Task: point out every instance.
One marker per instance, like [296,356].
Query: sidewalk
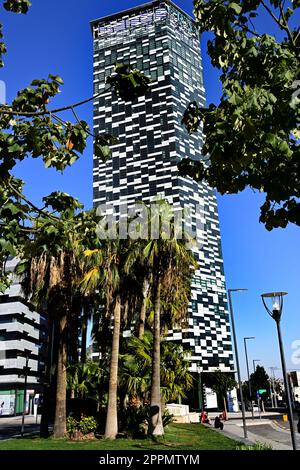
[235,431]
[10,427]
[14,420]
[265,430]
[238,415]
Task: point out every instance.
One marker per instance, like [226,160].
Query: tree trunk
[225,410]
[146,286]
[156,424]
[84,332]
[60,427]
[111,427]
[48,382]
[73,322]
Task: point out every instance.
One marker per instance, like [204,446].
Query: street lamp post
[200,399]
[26,370]
[249,382]
[237,357]
[275,312]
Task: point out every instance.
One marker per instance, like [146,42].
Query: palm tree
[139,276]
[135,370]
[175,376]
[52,267]
[83,378]
[145,293]
[107,270]
[166,256]
[51,280]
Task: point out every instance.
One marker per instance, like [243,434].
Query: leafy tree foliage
[17,6]
[83,379]
[220,383]
[252,137]
[135,370]
[260,381]
[128,86]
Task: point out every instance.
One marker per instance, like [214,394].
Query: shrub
[87,425]
[168,418]
[136,420]
[256,446]
[72,425]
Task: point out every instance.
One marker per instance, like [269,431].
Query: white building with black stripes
[23,334]
[161,40]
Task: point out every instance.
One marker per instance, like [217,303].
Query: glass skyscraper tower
[161,40]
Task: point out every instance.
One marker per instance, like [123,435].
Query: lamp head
[237,290]
[273,302]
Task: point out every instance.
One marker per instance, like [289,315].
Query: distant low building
[295,382]
[22,333]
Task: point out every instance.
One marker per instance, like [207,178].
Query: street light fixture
[273,303]
[237,357]
[249,382]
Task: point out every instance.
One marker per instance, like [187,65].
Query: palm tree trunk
[146,286]
[111,428]
[225,410]
[48,382]
[73,322]
[84,332]
[60,428]
[156,424]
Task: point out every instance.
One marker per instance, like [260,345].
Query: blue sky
[55,38]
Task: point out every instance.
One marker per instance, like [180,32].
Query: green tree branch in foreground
[29,129]
[252,136]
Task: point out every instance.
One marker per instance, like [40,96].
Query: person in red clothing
[204,419]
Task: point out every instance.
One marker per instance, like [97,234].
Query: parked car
[281,404]
[249,407]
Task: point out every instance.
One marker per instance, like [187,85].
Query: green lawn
[178,436]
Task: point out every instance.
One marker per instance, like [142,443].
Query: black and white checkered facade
[162,41]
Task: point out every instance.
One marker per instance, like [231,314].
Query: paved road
[285,424]
[274,433]
[270,429]
[11,427]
